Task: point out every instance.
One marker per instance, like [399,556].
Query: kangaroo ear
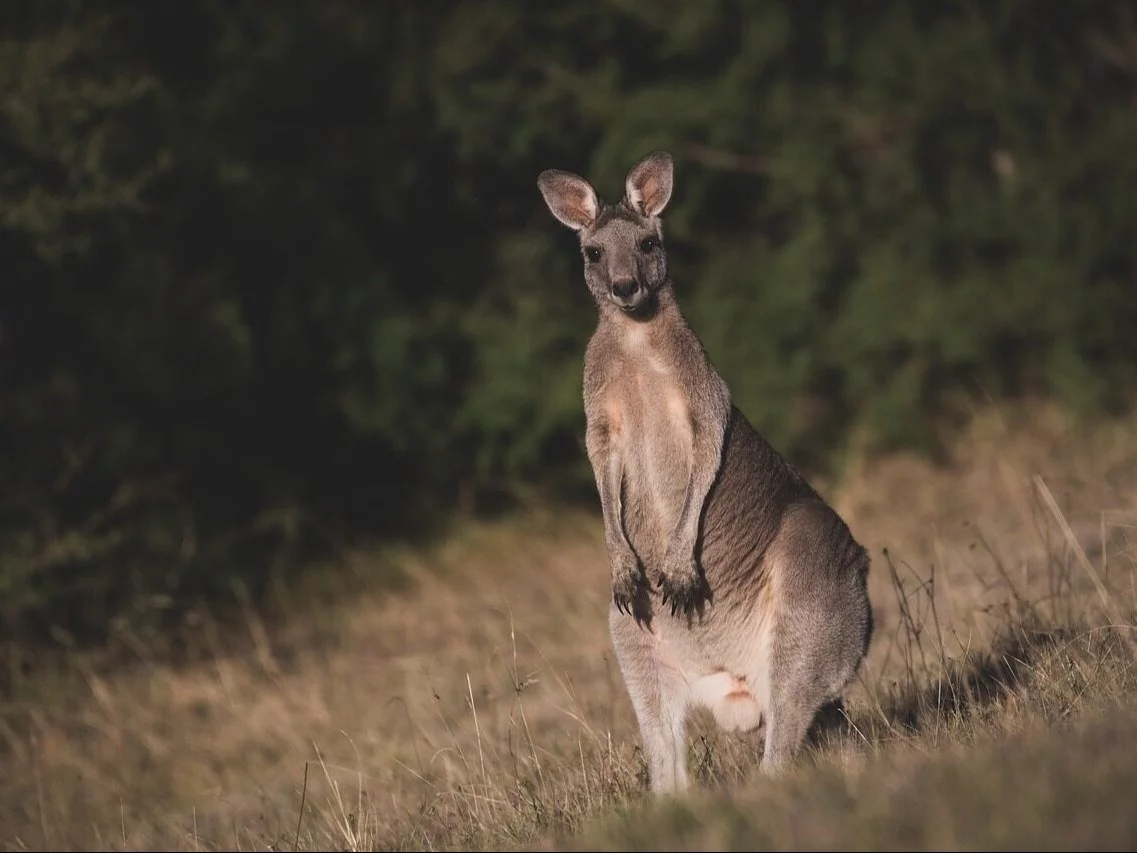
[570,198]
[648,187]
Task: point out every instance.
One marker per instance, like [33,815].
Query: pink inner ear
[577,205]
[649,194]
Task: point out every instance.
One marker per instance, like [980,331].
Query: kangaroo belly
[726,674]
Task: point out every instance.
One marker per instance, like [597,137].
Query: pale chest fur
[647,411]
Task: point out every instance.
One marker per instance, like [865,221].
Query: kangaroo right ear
[570,198]
[648,185]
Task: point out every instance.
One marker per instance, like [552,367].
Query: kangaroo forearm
[708,435]
[609,478]
[694,500]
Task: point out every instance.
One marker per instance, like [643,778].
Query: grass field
[479,707]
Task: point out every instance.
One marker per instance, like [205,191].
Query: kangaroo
[735,586]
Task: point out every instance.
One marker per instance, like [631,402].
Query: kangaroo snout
[627,292]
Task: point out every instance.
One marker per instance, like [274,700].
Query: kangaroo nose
[625,288]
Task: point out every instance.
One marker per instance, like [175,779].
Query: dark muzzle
[627,293]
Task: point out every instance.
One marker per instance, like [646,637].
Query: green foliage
[278,276]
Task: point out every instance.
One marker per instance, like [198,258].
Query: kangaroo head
[622,244]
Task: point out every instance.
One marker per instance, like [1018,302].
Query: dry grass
[481,709]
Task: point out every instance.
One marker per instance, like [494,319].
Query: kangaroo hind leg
[822,628]
[660,699]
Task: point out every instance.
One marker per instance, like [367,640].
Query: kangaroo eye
[592,253]
[648,244]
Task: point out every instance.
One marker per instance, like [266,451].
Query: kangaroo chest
[648,410]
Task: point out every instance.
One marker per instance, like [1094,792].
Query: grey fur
[762,611]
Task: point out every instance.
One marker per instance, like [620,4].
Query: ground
[479,706]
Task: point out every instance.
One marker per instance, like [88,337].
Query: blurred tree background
[278,275]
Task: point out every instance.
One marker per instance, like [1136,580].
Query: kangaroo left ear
[648,185]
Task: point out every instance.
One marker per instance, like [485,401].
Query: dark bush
[277,276]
